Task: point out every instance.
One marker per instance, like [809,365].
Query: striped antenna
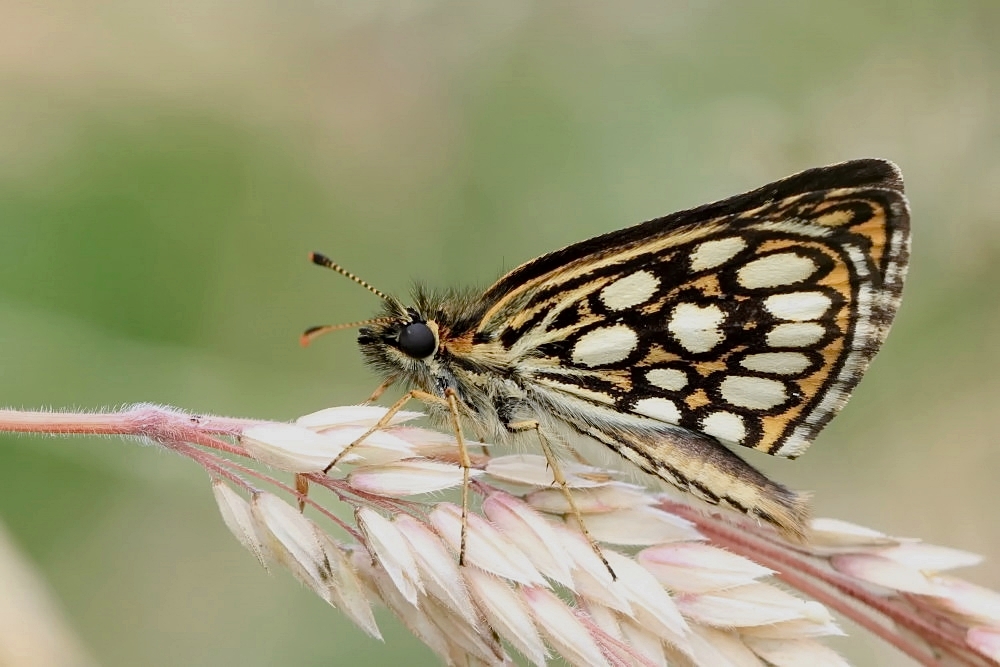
[323,260]
[312,333]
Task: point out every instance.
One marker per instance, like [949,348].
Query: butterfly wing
[749,320]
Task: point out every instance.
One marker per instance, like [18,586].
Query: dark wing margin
[864,173]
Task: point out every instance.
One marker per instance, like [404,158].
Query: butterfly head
[403,337]
[411,345]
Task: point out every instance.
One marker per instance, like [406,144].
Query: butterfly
[742,323]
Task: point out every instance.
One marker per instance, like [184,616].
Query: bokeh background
[166,166]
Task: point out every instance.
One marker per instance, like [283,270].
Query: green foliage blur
[166,166]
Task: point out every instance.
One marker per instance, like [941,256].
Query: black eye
[417,340]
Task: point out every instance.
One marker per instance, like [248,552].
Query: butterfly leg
[302,484]
[560,480]
[384,421]
[463,454]
[379,390]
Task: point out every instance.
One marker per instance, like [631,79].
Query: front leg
[302,484]
[387,417]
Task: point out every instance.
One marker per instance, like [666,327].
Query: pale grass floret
[315,559]
[438,567]
[696,567]
[531,533]
[411,477]
[291,448]
[564,629]
[238,517]
[690,587]
[391,551]
[508,613]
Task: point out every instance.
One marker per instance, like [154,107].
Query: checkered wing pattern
[749,321]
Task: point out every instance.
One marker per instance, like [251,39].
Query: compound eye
[417,340]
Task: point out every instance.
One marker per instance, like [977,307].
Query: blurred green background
[166,166]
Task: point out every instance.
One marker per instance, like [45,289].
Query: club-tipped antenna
[312,333]
[323,260]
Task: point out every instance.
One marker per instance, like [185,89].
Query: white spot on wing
[783,268]
[695,327]
[670,379]
[797,334]
[725,426]
[659,408]
[779,363]
[752,392]
[798,306]
[606,345]
[711,254]
[631,290]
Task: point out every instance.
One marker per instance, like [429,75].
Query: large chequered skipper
[744,322]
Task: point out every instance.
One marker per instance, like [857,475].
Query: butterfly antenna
[323,260]
[312,333]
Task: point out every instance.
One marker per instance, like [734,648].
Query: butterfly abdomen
[699,466]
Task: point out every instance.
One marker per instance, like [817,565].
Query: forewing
[749,320]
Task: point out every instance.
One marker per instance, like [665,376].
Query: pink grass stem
[155,422]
